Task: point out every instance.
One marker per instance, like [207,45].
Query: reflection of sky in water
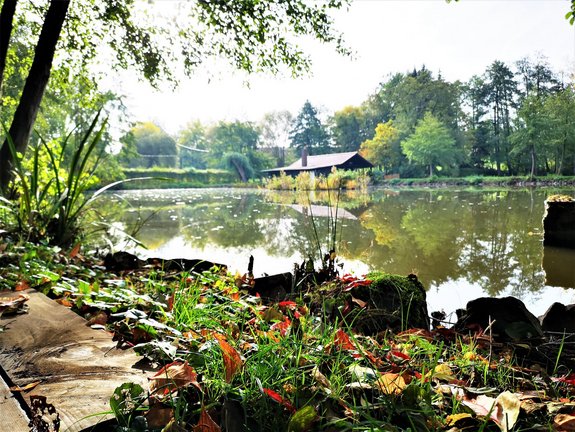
[462,244]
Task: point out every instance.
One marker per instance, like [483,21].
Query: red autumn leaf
[397,356]
[567,379]
[232,359]
[282,326]
[206,423]
[342,340]
[279,399]
[288,304]
[174,376]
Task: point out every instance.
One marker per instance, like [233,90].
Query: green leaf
[303,419]
[126,401]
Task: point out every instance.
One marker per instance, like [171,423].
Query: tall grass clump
[51,187]
[281,182]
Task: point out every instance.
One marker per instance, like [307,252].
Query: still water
[462,244]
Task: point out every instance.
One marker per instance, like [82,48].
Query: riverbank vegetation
[229,360]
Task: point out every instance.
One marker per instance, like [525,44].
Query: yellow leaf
[391,383]
[453,419]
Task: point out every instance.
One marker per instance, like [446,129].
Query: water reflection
[461,243]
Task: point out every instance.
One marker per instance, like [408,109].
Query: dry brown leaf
[232,359]
[206,423]
[159,416]
[22,286]
[174,376]
[75,251]
[320,378]
[12,304]
[564,422]
[65,301]
[507,410]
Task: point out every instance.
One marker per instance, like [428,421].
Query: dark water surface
[462,244]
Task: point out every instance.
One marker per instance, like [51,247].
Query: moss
[395,302]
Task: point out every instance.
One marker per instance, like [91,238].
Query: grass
[291,365]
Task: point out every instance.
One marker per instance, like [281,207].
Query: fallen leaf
[206,423]
[481,405]
[320,378]
[279,399]
[507,410]
[564,422]
[443,372]
[13,304]
[303,419]
[159,416]
[391,383]
[232,359]
[27,387]
[75,251]
[342,340]
[174,376]
[457,419]
[22,286]
[65,301]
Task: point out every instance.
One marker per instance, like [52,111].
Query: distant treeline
[511,120]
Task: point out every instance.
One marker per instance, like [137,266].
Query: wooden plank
[11,413]
[78,367]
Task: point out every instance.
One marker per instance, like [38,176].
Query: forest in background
[510,120]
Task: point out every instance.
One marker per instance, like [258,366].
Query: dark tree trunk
[25,115]
[6,19]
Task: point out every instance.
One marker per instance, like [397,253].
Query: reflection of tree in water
[444,235]
[500,253]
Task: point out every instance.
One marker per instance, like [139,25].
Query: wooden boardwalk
[78,368]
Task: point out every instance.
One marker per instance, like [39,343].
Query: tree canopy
[251,35]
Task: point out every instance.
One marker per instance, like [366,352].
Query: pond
[462,244]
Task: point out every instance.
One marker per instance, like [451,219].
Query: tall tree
[193,145]
[501,97]
[33,91]
[154,147]
[6,17]
[275,127]
[477,126]
[348,129]
[384,148]
[308,131]
[431,144]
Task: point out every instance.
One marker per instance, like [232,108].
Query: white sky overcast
[459,39]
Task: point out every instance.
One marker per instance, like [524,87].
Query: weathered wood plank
[11,412]
[78,367]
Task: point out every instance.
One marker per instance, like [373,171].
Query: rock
[510,320]
[559,221]
[120,261]
[393,302]
[559,318]
[274,287]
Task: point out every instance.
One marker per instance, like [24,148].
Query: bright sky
[459,39]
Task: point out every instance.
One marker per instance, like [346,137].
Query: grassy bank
[227,360]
